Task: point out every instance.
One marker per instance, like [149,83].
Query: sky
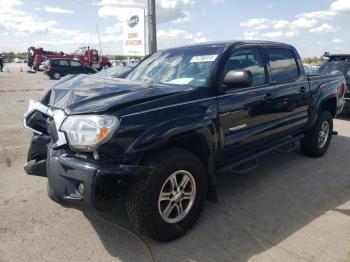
[312,26]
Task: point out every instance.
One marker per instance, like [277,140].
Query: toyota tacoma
[181,117]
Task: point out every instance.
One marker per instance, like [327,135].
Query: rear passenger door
[246,114]
[291,90]
[77,67]
[64,67]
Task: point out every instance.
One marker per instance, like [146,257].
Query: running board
[250,163]
[287,148]
[246,167]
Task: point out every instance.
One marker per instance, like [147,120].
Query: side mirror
[238,79]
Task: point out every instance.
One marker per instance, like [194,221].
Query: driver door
[246,114]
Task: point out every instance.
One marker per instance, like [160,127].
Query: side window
[249,59]
[75,63]
[283,64]
[63,63]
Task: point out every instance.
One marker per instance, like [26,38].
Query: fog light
[81,188]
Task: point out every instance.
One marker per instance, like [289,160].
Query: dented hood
[87,94]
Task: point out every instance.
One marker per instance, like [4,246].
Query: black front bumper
[65,172]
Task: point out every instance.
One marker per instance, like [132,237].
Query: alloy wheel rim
[323,134]
[177,196]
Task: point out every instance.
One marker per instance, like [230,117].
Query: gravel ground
[293,208]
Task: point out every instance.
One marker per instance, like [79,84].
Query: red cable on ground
[134,235]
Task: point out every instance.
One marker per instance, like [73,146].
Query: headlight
[87,132]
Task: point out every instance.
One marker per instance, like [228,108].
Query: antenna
[99,40]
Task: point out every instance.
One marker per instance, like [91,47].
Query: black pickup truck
[182,116]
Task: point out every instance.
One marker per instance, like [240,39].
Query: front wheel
[166,203]
[316,141]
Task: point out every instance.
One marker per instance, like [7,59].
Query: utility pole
[152,27]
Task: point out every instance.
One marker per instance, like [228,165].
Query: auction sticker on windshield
[203,58]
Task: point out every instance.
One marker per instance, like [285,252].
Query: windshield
[190,66]
[335,67]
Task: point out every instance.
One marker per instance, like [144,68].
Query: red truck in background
[86,55]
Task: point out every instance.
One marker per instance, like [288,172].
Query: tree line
[12,55]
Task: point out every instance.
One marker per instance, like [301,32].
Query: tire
[56,76]
[106,66]
[312,145]
[145,209]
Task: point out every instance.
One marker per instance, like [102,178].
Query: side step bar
[250,163]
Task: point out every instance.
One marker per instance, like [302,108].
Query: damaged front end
[37,120]
[74,178]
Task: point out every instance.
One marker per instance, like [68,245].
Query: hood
[87,94]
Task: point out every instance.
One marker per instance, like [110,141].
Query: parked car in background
[335,64]
[118,63]
[182,116]
[116,72]
[311,69]
[56,68]
[85,55]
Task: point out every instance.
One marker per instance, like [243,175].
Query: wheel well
[190,142]
[330,105]
[197,145]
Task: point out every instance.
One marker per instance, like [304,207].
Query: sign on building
[134,33]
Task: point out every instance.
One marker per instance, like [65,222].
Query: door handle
[302,89]
[268,97]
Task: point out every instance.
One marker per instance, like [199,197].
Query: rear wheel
[317,140]
[106,66]
[166,203]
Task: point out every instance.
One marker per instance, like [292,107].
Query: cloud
[318,14]
[280,24]
[116,28]
[13,19]
[250,35]
[257,23]
[175,37]
[341,6]
[58,10]
[303,22]
[272,34]
[23,28]
[310,21]
[217,1]
[175,11]
[338,41]
[324,28]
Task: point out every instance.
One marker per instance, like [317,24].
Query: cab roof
[229,43]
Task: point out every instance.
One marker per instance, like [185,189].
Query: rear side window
[63,63]
[75,63]
[283,64]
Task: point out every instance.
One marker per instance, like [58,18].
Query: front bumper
[66,172]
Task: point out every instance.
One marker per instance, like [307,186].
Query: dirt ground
[293,208]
